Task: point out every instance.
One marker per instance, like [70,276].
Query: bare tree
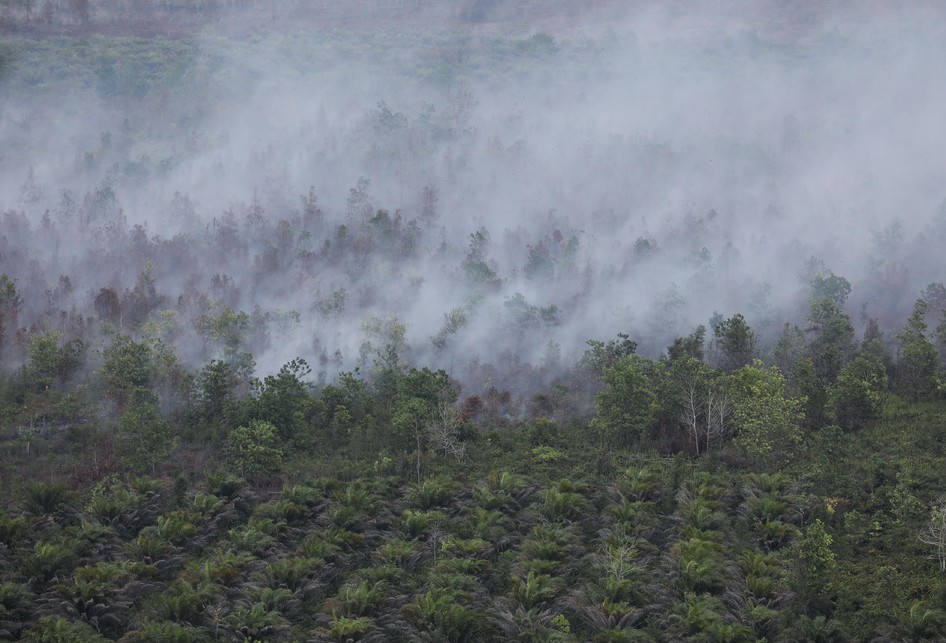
[934,534]
[718,413]
[705,408]
[444,431]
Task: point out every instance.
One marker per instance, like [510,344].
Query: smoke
[485,199]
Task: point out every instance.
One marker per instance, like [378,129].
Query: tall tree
[766,419]
[128,366]
[689,346]
[858,395]
[916,369]
[832,342]
[284,400]
[736,342]
[254,449]
[702,403]
[627,404]
[420,393]
[145,437]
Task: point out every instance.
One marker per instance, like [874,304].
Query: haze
[549,175]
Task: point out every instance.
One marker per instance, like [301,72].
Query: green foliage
[439,612]
[145,437]
[627,404]
[166,632]
[214,392]
[127,366]
[284,401]
[689,346]
[343,628]
[432,492]
[254,449]
[736,342]
[766,419]
[814,561]
[859,393]
[56,629]
[832,342]
[916,370]
[51,361]
[601,356]
[41,498]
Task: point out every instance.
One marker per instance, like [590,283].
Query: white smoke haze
[632,174]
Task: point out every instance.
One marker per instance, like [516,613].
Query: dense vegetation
[706,498]
[460,388]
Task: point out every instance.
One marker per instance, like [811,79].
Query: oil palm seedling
[184,602]
[46,499]
[535,589]
[52,629]
[432,492]
[439,613]
[513,622]
[255,622]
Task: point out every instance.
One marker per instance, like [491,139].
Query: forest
[404,320]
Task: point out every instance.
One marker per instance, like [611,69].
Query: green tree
[214,391]
[627,405]
[284,400]
[832,341]
[689,346]
[344,410]
[765,418]
[144,436]
[736,342]
[916,369]
[814,563]
[700,402]
[858,395]
[602,355]
[10,303]
[49,361]
[127,366]
[420,393]
[254,449]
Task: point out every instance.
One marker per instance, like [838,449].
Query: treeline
[709,390]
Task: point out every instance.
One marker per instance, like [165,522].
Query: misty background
[481,186]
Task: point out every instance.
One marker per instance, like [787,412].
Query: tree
[791,348]
[128,366]
[284,401]
[736,342]
[444,431]
[916,370]
[765,418]
[385,339]
[602,355]
[627,404]
[934,534]
[813,562]
[254,449]
[48,362]
[689,346]
[108,306]
[832,343]
[10,303]
[214,392]
[873,342]
[145,437]
[419,395]
[858,395]
[703,404]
